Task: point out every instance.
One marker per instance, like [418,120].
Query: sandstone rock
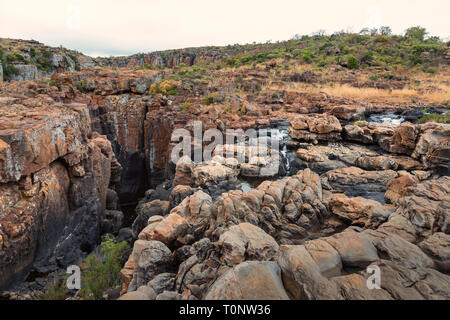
[249,281]
[325,256]
[437,246]
[183,172]
[167,230]
[169,295]
[134,295]
[208,174]
[197,273]
[357,182]
[163,282]
[196,209]
[356,249]
[358,133]
[347,112]
[28,143]
[301,275]
[433,146]
[400,226]
[397,188]
[426,206]
[354,287]
[376,163]
[150,259]
[178,194]
[142,293]
[146,210]
[315,127]
[322,158]
[408,284]
[399,250]
[359,211]
[246,241]
[402,141]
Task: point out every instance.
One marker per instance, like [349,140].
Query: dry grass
[440,94]
[348,91]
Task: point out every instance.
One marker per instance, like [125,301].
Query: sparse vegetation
[212,98]
[440,118]
[56,290]
[103,271]
[166,87]
[185,106]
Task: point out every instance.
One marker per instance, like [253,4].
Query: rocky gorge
[88,153]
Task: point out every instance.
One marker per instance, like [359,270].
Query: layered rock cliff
[54,173]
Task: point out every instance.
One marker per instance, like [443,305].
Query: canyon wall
[54,177]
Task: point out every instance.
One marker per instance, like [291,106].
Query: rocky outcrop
[314,128]
[34,61]
[54,178]
[433,147]
[354,181]
[290,239]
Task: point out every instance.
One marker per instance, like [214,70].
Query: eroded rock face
[358,182]
[433,146]
[55,176]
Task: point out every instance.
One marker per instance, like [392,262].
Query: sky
[112,28]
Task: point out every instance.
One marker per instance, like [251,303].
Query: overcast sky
[107,27]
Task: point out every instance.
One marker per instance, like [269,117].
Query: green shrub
[43,60]
[185,106]
[15,57]
[103,272]
[429,69]
[9,70]
[307,55]
[211,99]
[440,118]
[352,62]
[81,86]
[227,109]
[166,87]
[360,123]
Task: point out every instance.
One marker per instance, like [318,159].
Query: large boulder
[246,241]
[150,258]
[397,188]
[301,275]
[249,281]
[146,210]
[433,147]
[359,211]
[355,249]
[167,230]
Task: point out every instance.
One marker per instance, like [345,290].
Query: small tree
[386,31]
[416,33]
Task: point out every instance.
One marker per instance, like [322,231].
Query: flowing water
[387,118]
